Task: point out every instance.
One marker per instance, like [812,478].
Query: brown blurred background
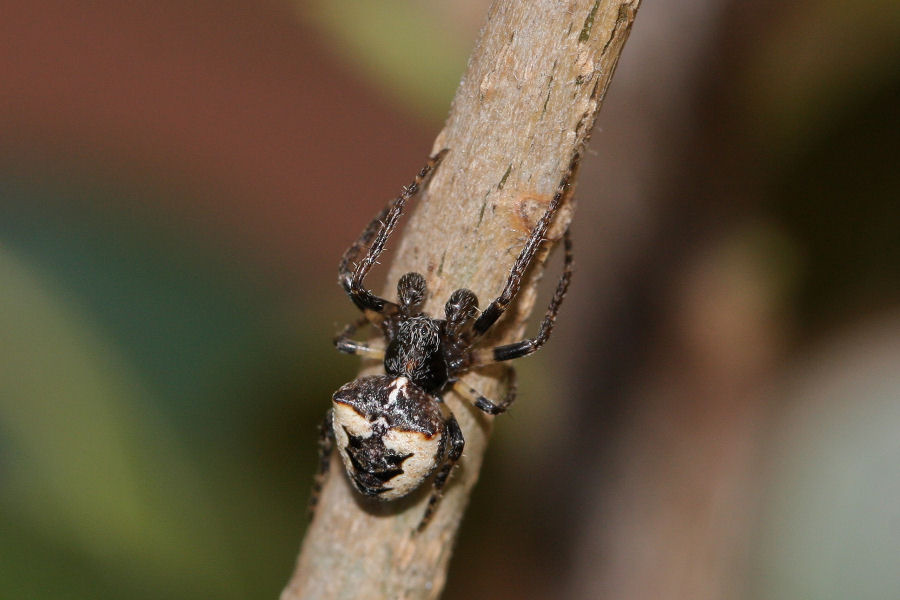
[717,416]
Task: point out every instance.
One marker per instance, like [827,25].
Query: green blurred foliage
[399,46]
[150,398]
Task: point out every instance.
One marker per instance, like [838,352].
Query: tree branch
[525,107]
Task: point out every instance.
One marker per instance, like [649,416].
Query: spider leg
[344,344]
[326,447]
[353,269]
[454,444]
[531,345]
[482,403]
[496,308]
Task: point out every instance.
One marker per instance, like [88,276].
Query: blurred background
[717,416]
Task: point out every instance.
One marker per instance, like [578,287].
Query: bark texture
[524,108]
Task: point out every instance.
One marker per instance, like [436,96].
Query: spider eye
[411,289]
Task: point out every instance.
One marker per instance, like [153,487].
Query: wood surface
[525,106]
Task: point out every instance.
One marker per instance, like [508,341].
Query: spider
[393,431]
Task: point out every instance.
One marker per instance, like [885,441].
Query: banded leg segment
[345,344]
[353,270]
[326,448]
[453,450]
[480,402]
[496,308]
[531,345]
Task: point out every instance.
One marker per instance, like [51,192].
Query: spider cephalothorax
[416,353]
[393,431]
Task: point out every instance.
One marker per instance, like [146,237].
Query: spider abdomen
[389,433]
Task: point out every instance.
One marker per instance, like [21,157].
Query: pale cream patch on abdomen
[425,450]
[346,419]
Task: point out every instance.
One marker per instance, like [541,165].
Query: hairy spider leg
[411,290]
[373,238]
[345,344]
[326,448]
[531,345]
[480,402]
[454,449]
[496,308]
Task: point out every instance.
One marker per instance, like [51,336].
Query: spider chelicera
[393,431]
